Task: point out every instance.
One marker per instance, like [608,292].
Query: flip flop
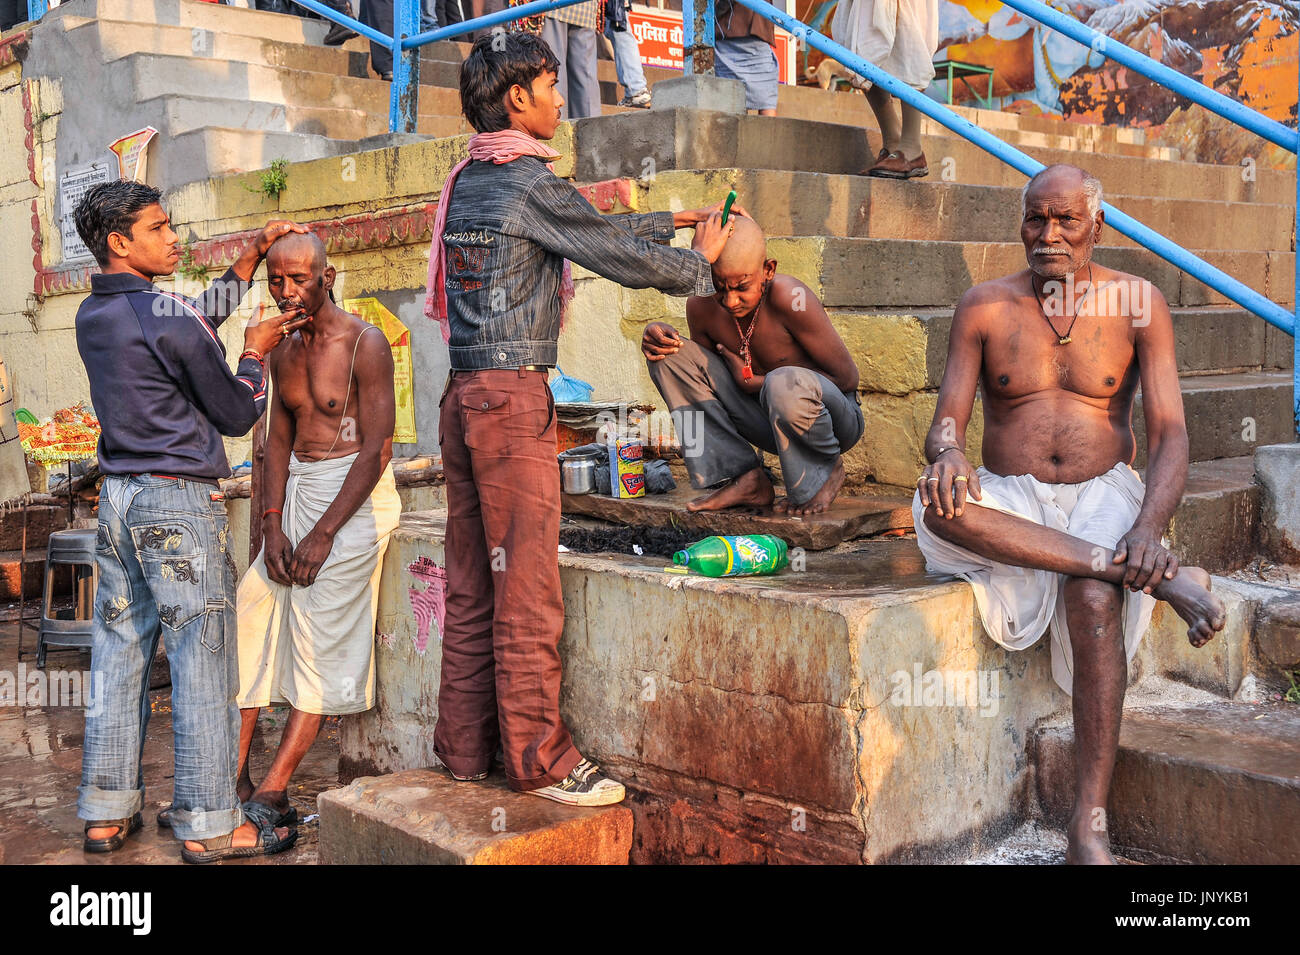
[223,847]
[263,815]
[165,817]
[114,842]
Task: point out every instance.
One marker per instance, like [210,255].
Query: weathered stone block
[1277,469]
[697,91]
[424,817]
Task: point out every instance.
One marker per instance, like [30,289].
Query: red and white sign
[659,34]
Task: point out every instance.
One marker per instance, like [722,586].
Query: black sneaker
[339,34]
[584,786]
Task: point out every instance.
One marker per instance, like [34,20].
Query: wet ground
[40,768]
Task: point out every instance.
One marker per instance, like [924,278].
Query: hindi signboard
[659,34]
[73,184]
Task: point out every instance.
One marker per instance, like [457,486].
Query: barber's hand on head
[1148,562]
[711,235]
[659,341]
[276,550]
[945,484]
[690,217]
[274,230]
[264,332]
[309,555]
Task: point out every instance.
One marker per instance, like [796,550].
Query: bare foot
[780,505]
[1189,594]
[245,836]
[1086,847]
[751,489]
[826,495]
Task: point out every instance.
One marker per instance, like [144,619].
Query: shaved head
[293,244]
[745,251]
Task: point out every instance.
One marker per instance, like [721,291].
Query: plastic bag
[565,388]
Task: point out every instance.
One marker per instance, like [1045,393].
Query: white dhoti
[313,647]
[1017,604]
[899,36]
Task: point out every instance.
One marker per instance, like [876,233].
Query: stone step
[218,18]
[807,676]
[698,140]
[883,273]
[224,150]
[1216,524]
[810,203]
[156,75]
[1212,785]
[424,817]
[851,109]
[1229,415]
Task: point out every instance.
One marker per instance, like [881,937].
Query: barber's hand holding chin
[946,483]
[312,551]
[263,333]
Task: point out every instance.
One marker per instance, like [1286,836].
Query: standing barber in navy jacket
[165,395]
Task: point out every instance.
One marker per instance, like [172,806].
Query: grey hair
[1091,186]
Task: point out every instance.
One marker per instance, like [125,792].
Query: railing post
[1295,343]
[37,9]
[697,36]
[404,103]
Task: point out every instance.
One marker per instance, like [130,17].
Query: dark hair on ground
[111,207]
[497,62]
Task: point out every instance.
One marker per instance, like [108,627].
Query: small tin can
[626,469]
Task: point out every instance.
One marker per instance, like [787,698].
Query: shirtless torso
[792,329]
[316,381]
[1062,413]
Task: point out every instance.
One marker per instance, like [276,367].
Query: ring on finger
[933,480]
[961,477]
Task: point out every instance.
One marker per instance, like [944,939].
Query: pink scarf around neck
[500,147]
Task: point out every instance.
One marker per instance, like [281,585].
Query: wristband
[941,451]
[253,353]
[272,510]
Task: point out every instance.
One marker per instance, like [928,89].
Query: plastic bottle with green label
[734,556]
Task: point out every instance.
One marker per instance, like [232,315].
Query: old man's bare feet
[751,489]
[1089,843]
[823,499]
[1189,594]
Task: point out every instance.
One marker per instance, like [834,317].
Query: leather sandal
[260,814]
[125,827]
[223,847]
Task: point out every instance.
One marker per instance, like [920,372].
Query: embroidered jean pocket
[173,562]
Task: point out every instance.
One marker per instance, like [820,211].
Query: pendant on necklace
[746,372]
[1063,340]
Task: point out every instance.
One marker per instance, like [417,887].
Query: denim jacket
[509,229]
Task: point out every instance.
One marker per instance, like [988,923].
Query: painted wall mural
[1246,50]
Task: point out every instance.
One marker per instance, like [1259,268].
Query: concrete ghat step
[810,203]
[1216,523]
[806,102]
[881,273]
[424,817]
[700,139]
[802,675]
[1217,785]
[206,16]
[223,150]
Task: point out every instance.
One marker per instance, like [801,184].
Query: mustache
[1049,250]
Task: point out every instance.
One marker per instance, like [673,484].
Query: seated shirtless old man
[307,604]
[1064,533]
[763,366]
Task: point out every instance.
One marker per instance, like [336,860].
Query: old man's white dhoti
[899,36]
[313,647]
[1017,604]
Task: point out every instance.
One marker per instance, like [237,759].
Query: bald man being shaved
[764,367]
[307,604]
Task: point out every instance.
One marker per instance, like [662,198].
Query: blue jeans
[163,572]
[627,59]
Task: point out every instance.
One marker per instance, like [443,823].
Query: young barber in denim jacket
[499,281]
